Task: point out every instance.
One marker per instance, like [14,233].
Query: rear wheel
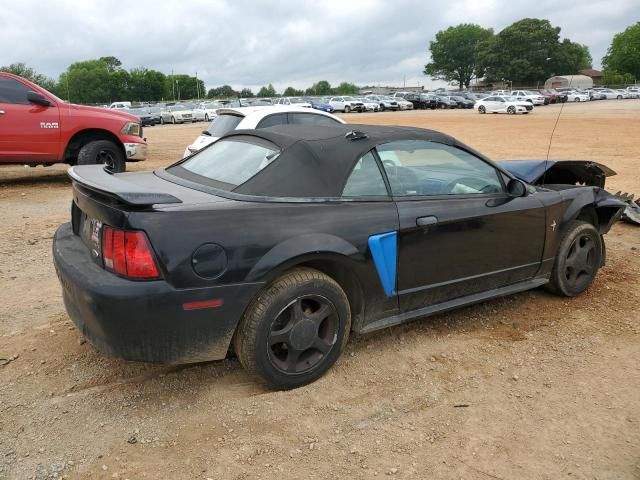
[578,259]
[103,152]
[295,330]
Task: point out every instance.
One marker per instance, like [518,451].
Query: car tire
[206,117]
[482,109]
[347,109]
[577,261]
[103,152]
[382,107]
[161,121]
[304,311]
[173,120]
[577,99]
[619,97]
[511,110]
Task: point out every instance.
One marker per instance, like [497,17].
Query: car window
[365,179]
[249,155]
[273,120]
[12,91]
[222,124]
[312,119]
[417,167]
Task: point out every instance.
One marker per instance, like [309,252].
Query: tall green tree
[571,57]
[183,87]
[146,85]
[246,93]
[94,81]
[321,87]
[267,91]
[292,92]
[30,74]
[623,55]
[225,91]
[523,53]
[346,88]
[454,54]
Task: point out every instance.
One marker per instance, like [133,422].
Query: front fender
[303,245]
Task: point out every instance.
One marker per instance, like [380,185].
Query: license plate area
[91,235]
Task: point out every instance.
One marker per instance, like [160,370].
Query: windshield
[137,111]
[222,124]
[349,99]
[297,100]
[510,99]
[230,161]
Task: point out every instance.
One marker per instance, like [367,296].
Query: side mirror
[516,188]
[38,99]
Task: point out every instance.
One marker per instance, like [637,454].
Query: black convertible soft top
[316,161]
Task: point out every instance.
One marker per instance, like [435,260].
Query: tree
[523,53]
[30,74]
[623,55]
[225,91]
[268,91]
[94,81]
[320,88]
[182,87]
[146,85]
[346,88]
[292,92]
[571,57]
[454,54]
[246,93]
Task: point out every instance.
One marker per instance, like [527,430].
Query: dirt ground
[531,386]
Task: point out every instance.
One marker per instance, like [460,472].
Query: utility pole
[197,87]
[173,86]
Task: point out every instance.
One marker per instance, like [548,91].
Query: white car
[609,93]
[297,101]
[384,102]
[209,110]
[502,104]
[177,114]
[634,92]
[403,104]
[346,104]
[259,117]
[575,96]
[369,105]
[527,96]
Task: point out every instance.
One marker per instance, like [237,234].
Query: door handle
[426,221]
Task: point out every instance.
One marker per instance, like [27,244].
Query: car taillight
[128,253]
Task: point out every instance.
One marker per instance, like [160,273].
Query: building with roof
[595,75]
[575,81]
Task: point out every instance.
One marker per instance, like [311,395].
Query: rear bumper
[145,321]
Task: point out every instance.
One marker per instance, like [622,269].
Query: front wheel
[482,109]
[577,261]
[511,110]
[347,109]
[103,152]
[295,330]
[206,117]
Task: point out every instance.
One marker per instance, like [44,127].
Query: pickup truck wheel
[578,259]
[295,329]
[103,152]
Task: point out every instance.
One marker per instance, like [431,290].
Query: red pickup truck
[37,128]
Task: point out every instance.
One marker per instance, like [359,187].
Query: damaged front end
[575,172]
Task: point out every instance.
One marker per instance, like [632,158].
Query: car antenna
[544,175]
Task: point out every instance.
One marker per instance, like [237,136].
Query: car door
[460,233]
[28,132]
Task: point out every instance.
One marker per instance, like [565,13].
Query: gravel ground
[531,386]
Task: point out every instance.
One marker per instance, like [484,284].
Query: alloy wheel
[580,263]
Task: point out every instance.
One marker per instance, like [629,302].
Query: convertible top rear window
[223,124]
[229,162]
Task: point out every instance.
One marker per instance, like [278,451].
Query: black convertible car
[278,243]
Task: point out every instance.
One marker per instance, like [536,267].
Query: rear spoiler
[99,179]
[570,172]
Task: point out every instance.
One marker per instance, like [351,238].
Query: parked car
[258,117]
[120,105]
[369,105]
[503,104]
[445,101]
[419,101]
[384,102]
[634,92]
[403,104]
[462,101]
[320,103]
[38,128]
[528,96]
[596,94]
[576,96]
[223,251]
[176,114]
[298,101]
[346,104]
[147,119]
[209,110]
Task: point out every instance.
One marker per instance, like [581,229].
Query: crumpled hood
[570,172]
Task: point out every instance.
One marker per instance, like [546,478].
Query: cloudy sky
[288,42]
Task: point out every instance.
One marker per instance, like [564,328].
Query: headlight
[132,128]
